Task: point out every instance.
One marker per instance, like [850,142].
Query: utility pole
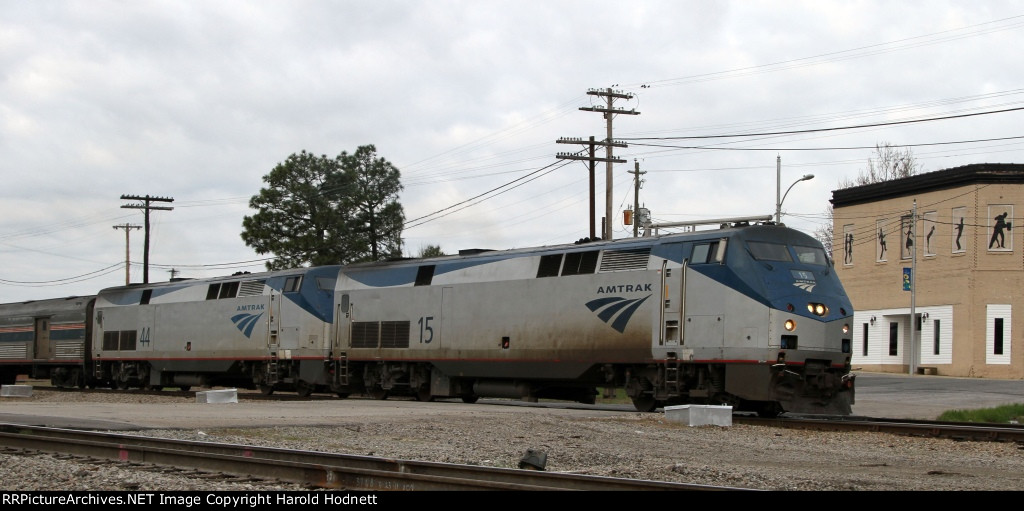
[914,349]
[609,112]
[636,197]
[593,164]
[147,207]
[127,245]
[778,188]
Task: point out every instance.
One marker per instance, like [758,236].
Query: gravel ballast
[632,445]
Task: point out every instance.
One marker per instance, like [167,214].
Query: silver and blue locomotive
[749,315]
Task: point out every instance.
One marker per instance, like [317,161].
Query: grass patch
[997,415]
[617,397]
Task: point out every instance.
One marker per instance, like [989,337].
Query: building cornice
[976,173]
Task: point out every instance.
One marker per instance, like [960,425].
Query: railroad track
[314,469]
[920,428]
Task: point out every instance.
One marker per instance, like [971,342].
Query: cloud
[198,100]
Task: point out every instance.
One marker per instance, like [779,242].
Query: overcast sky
[197,101]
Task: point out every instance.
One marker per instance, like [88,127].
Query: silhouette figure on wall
[910,238]
[849,248]
[997,231]
[928,241]
[881,242]
[959,232]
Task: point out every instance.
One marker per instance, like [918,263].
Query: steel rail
[933,429]
[316,469]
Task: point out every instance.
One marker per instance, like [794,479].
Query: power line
[849,148]
[821,130]
[69,280]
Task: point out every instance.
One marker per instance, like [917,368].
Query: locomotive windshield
[767,251]
[811,255]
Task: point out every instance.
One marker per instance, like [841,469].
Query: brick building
[969,270]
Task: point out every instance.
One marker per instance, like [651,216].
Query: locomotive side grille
[394,334]
[19,351]
[365,334]
[110,340]
[251,288]
[73,350]
[622,260]
[119,340]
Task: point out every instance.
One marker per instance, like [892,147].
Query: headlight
[790,325]
[818,309]
[846,329]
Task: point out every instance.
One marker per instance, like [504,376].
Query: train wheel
[303,388]
[378,393]
[645,403]
[470,398]
[424,394]
[769,409]
[266,390]
[343,395]
[185,388]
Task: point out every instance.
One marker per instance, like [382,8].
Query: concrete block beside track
[16,391]
[700,415]
[217,396]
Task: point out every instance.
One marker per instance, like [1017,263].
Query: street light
[778,205]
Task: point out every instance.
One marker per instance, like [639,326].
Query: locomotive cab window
[292,284]
[706,253]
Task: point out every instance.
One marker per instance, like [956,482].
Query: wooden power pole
[127,252]
[146,206]
[609,113]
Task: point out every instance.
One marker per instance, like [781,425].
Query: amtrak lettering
[256,307]
[624,288]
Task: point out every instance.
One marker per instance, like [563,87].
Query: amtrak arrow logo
[806,286]
[246,322]
[616,311]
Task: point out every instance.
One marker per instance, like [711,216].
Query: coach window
[213,292]
[292,284]
[146,295]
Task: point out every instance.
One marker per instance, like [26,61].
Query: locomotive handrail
[713,221]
